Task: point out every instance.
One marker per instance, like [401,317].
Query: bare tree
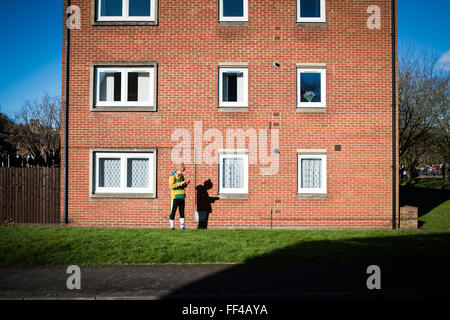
[420,95]
[38,128]
[7,148]
[441,129]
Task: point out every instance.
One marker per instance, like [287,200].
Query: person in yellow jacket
[177,184]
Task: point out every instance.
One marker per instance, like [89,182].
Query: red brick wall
[188,45]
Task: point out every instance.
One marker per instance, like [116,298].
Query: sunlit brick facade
[186,45]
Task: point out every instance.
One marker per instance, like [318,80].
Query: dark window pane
[133,86]
[138,86]
[117,86]
[230,86]
[110,86]
[233,8]
[310,87]
[111,8]
[310,8]
[139,8]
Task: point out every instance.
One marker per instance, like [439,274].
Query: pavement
[405,280]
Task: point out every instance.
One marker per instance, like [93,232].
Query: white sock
[171,224]
[182,222]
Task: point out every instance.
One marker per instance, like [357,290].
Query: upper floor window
[233,87]
[233,10]
[310,10]
[311,87]
[131,86]
[126,10]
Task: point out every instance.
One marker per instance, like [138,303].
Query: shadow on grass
[409,264]
[426,199]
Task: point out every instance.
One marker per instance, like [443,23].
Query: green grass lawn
[432,201]
[27,245]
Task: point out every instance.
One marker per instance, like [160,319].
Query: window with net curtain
[123,172]
[125,9]
[233,173]
[311,173]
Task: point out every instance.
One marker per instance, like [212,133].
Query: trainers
[183,229]
[172,229]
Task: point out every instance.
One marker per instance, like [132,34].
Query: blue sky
[31,54]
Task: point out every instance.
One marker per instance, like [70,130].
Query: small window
[126,10]
[233,173]
[123,87]
[312,174]
[124,172]
[233,10]
[310,10]
[311,88]
[233,87]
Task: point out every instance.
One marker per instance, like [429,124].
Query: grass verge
[26,245]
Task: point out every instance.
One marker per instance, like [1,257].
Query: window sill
[124,23]
[233,196]
[234,23]
[123,109]
[311,109]
[311,195]
[233,109]
[311,24]
[123,195]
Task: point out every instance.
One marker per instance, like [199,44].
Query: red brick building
[303,87]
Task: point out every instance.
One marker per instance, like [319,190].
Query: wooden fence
[30,195]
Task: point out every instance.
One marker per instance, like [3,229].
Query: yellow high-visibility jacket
[176,186]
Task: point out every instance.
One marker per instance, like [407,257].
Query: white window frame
[124,156]
[233,154]
[125,13]
[244,102]
[323,88]
[323,189]
[309,19]
[124,87]
[243,18]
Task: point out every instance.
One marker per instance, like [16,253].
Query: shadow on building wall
[204,202]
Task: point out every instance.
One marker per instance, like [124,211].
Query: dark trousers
[177,203]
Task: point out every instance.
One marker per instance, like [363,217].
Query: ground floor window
[312,174]
[124,172]
[233,172]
